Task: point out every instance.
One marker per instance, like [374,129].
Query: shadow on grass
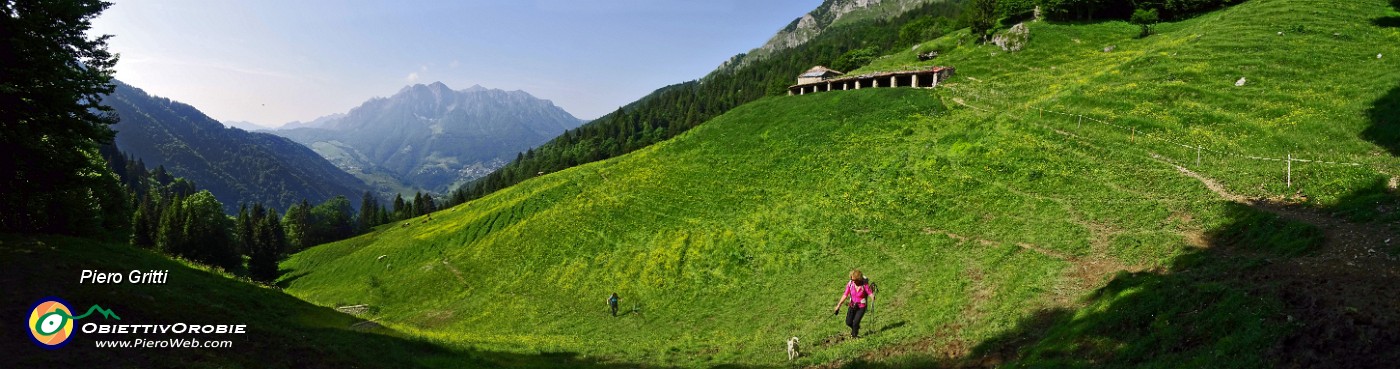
[1389,21]
[289,277]
[1204,311]
[1269,291]
[1375,203]
[890,326]
[1385,121]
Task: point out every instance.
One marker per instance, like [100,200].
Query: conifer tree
[141,221]
[52,120]
[296,225]
[268,246]
[170,230]
[400,209]
[366,219]
[161,176]
[243,229]
[418,208]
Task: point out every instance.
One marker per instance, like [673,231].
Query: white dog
[792,349]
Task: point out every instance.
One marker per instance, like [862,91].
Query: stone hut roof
[819,71]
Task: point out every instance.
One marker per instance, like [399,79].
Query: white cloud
[412,77]
[455,64]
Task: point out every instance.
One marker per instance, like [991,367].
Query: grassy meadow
[282,331]
[996,236]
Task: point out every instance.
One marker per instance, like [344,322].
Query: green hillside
[996,235]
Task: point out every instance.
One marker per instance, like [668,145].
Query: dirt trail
[1343,297]
[455,272]
[1354,242]
[985,242]
[1087,272]
[1344,239]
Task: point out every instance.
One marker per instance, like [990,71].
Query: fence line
[1199,148]
[1079,121]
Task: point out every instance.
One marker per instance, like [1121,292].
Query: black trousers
[853,317]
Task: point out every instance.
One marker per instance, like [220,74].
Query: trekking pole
[869,321]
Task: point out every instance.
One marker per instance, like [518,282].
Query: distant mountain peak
[441,88]
[316,123]
[244,125]
[432,137]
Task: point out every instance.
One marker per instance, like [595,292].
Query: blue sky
[272,62]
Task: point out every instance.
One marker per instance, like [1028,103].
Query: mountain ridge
[429,136]
[813,23]
[236,165]
[244,125]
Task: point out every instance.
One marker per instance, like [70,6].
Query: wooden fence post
[1290,170]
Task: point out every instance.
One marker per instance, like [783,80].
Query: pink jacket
[858,294]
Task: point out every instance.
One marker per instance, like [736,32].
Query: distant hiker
[612,303]
[859,292]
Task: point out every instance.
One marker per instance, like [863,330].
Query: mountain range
[244,125]
[432,137]
[235,165]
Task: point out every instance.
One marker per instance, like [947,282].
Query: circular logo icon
[51,323]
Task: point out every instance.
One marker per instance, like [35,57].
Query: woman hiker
[859,292]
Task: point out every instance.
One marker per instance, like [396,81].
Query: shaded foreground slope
[282,332]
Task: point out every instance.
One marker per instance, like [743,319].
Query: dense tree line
[171,215]
[174,217]
[674,109]
[1119,9]
[984,16]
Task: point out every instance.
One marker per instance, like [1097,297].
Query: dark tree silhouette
[52,77]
